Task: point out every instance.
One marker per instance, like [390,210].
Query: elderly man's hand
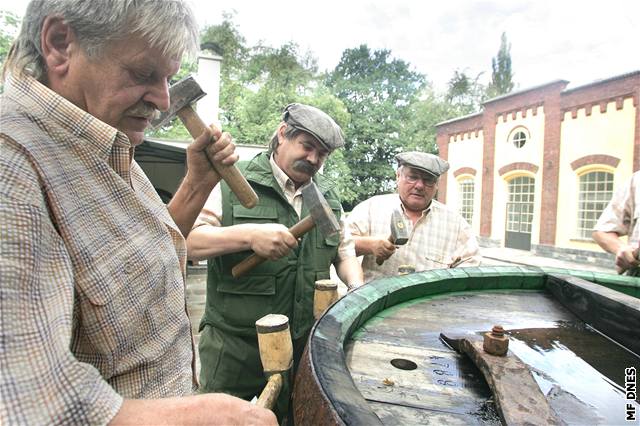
[383,249]
[212,145]
[627,258]
[272,241]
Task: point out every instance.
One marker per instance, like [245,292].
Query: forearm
[609,241]
[365,245]
[212,409]
[208,241]
[350,272]
[188,201]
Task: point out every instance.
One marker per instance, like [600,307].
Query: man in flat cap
[225,232]
[439,236]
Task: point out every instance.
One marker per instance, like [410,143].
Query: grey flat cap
[316,122]
[429,163]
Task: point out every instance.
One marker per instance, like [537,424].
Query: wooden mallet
[325,293]
[182,95]
[276,354]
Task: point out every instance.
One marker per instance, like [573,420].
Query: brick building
[534,169]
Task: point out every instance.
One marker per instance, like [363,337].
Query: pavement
[197,278]
[507,256]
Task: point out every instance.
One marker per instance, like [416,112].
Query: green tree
[225,39]
[276,77]
[377,91]
[9,25]
[501,75]
[465,94]
[419,133]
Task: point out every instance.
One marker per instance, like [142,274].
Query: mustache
[305,167]
[145,110]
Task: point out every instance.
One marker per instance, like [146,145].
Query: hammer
[276,354]
[320,215]
[182,95]
[399,232]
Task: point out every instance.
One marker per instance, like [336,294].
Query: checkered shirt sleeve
[92,305]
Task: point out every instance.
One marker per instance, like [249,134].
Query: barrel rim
[330,333]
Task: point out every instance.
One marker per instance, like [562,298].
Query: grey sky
[579,41]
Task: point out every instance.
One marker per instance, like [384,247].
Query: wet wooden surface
[445,387]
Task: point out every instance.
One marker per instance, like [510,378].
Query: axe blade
[182,93]
[320,210]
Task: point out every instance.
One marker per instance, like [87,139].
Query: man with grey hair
[438,238]
[94,326]
[226,233]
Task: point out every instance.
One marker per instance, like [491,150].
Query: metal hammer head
[319,210]
[399,229]
[181,94]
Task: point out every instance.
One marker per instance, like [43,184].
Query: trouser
[231,364]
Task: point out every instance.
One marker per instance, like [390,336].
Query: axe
[276,355]
[320,215]
[182,95]
[399,231]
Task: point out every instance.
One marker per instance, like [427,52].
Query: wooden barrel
[375,356]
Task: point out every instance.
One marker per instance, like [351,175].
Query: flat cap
[429,163]
[316,122]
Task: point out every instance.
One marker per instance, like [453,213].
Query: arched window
[519,136]
[466,191]
[594,193]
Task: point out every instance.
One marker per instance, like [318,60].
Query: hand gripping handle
[297,230]
[238,184]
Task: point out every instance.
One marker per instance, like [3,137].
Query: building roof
[520,92]
[604,81]
[464,117]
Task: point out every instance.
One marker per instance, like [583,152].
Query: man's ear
[56,39]
[281,137]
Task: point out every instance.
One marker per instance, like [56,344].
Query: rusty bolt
[495,342]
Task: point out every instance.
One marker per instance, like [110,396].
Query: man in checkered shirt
[439,237]
[93,321]
[619,219]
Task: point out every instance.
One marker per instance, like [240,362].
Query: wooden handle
[270,392]
[302,227]
[297,230]
[230,174]
[246,265]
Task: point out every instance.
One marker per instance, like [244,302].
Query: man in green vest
[226,233]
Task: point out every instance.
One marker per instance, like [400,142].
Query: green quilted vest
[283,286]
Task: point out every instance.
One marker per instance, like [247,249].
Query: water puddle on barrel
[581,372]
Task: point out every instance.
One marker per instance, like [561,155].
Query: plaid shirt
[211,213]
[436,240]
[621,214]
[92,298]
